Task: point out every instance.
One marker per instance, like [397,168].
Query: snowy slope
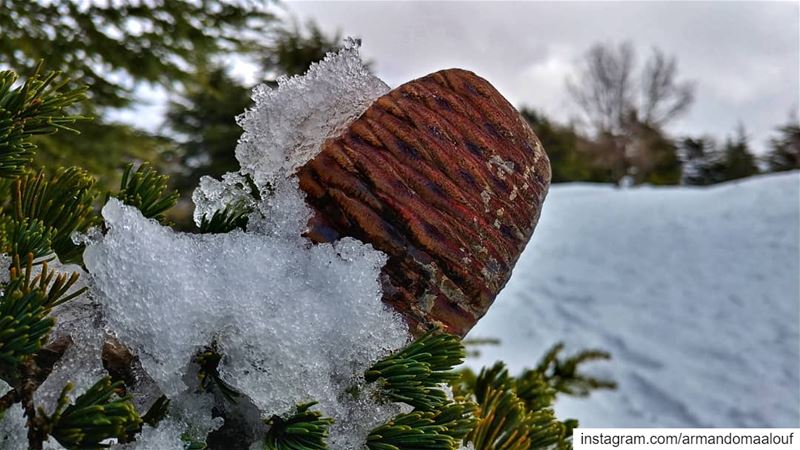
[695,292]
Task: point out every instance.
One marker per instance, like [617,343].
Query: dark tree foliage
[628,107]
[651,157]
[103,148]
[705,162]
[112,46]
[739,159]
[702,163]
[294,49]
[571,155]
[152,41]
[784,151]
[204,119]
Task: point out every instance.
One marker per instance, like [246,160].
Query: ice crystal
[288,124]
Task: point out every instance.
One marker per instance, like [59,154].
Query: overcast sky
[742,56]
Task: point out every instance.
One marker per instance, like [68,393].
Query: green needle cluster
[63,203]
[20,237]
[413,375]
[95,416]
[304,430]
[35,108]
[146,189]
[24,326]
[25,304]
[225,220]
[425,430]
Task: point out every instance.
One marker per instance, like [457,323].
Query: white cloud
[743,56]
[541,85]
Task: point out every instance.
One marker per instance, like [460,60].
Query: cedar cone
[444,176]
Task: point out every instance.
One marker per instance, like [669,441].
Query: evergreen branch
[20,237]
[495,376]
[94,417]
[502,422]
[569,427]
[225,220]
[424,430]
[515,413]
[545,431]
[24,325]
[54,285]
[412,375]
[533,389]
[63,203]
[458,419]
[145,189]
[564,376]
[24,307]
[305,429]
[6,189]
[35,108]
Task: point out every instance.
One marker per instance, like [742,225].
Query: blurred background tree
[203,119]
[739,161]
[294,50]
[627,110]
[784,150]
[573,157]
[108,45]
[706,163]
[113,47]
[702,162]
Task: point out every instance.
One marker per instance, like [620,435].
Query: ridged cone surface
[443,175]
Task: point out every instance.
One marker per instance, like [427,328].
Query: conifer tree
[114,48]
[739,159]
[784,152]
[705,162]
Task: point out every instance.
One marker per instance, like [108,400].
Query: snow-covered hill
[695,292]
